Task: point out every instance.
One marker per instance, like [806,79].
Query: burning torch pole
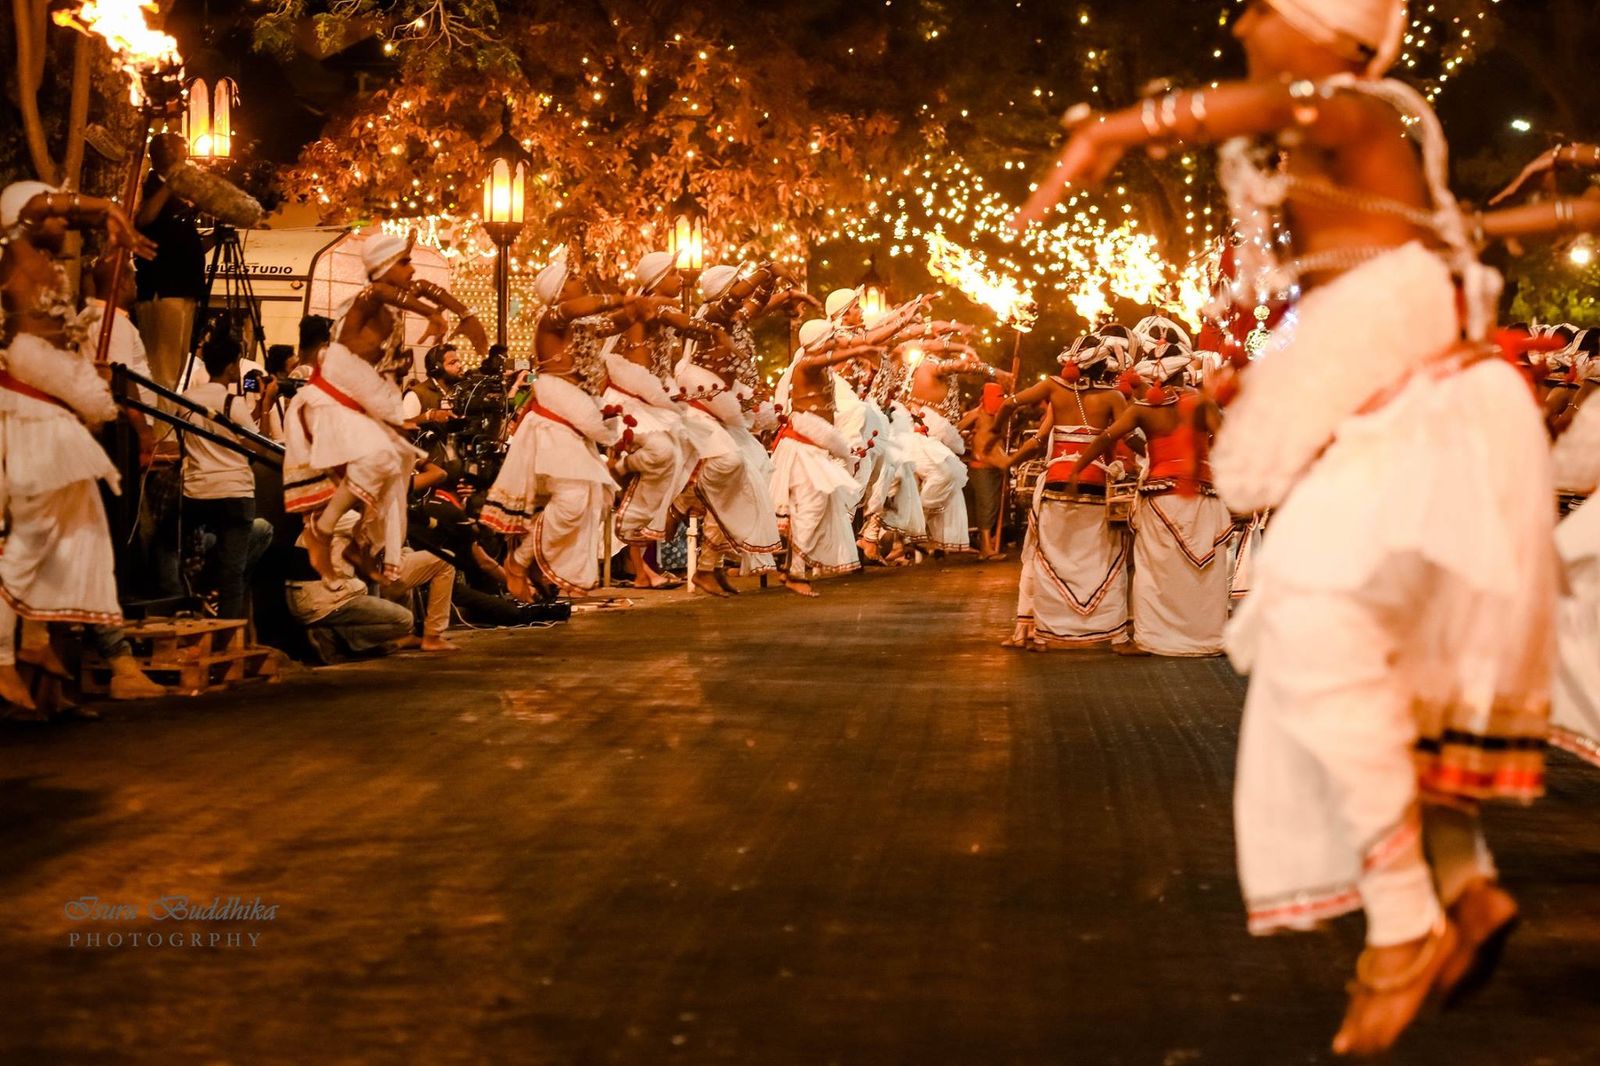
[150,59]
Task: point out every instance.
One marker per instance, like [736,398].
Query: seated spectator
[219,488]
[341,618]
[346,613]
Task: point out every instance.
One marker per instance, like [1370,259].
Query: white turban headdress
[1377,27]
[1155,331]
[549,282]
[380,252]
[1163,367]
[652,268]
[840,301]
[717,280]
[16,197]
[814,331]
[1090,350]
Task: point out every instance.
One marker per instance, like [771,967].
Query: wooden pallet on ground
[188,657]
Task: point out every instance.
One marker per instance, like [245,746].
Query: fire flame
[138,50]
[955,265]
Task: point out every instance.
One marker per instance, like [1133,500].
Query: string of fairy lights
[1094,249]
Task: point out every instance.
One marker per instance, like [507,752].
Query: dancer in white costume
[1399,633]
[1179,593]
[343,443]
[812,486]
[656,468]
[56,559]
[717,385]
[553,488]
[934,404]
[1073,590]
[895,522]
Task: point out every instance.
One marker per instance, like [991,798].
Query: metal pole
[130,194]
[1005,486]
[502,290]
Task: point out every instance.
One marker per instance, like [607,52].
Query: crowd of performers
[1127,543]
[643,415]
[1400,626]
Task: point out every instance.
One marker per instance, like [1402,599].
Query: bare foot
[1129,649]
[1020,637]
[129,683]
[870,552]
[409,642]
[319,546]
[992,557]
[14,690]
[1390,987]
[1486,916]
[518,583]
[438,644]
[801,588]
[722,579]
[706,583]
[45,658]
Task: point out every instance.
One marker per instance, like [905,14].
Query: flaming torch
[146,55]
[155,79]
[1012,303]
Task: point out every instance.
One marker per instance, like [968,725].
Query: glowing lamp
[686,240]
[505,190]
[208,121]
[874,294]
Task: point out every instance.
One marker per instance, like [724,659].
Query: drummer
[1073,592]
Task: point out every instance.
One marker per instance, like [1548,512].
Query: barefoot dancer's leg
[518,577]
[1327,793]
[36,649]
[12,688]
[342,501]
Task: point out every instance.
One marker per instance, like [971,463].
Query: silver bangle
[1169,112]
[1147,116]
[1197,110]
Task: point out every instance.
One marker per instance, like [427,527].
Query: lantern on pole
[874,301]
[504,196]
[208,119]
[687,238]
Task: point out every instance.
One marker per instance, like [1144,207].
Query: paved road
[849,831]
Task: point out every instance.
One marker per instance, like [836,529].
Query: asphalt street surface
[770,831]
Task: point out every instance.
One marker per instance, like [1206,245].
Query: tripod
[227,265]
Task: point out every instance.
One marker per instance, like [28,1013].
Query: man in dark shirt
[172,284]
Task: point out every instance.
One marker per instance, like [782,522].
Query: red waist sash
[24,389]
[789,431]
[1172,458]
[322,383]
[535,408]
[1064,455]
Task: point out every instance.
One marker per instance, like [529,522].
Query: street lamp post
[504,195]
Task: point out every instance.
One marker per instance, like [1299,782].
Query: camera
[251,382]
